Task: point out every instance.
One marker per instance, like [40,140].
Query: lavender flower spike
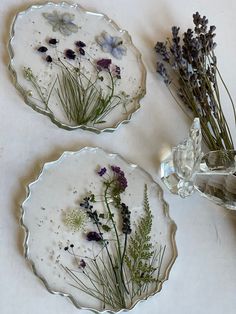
[162,71]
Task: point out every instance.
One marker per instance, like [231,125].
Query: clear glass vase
[213,174]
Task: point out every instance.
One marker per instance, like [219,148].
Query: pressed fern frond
[140,250]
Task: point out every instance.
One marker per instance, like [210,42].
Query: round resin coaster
[98,231]
[77,67]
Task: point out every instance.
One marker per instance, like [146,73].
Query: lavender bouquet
[190,72]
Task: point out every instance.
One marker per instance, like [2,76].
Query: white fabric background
[203,279]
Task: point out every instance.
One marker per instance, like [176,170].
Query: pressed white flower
[62,22]
[112,44]
[75,219]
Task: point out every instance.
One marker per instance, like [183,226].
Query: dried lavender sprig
[190,36]
[195,65]
[207,117]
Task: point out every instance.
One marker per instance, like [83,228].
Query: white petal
[123,50]
[106,48]
[116,53]
[72,27]
[100,40]
[56,27]
[67,17]
[52,18]
[64,30]
[108,38]
[117,41]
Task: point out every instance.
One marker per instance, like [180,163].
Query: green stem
[222,123]
[122,259]
[39,92]
[113,266]
[227,90]
[112,88]
[112,220]
[117,237]
[117,285]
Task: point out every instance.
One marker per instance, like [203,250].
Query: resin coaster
[77,67]
[98,231]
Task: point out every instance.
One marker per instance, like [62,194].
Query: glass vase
[212,174]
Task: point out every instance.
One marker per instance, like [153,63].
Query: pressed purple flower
[103,64]
[94,236]
[49,59]
[53,41]
[102,171]
[42,49]
[115,71]
[120,177]
[122,182]
[81,51]
[82,263]
[112,44]
[80,44]
[70,54]
[115,169]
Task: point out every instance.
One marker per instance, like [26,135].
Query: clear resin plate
[77,67]
[98,231]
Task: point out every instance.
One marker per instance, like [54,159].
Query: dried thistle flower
[193,64]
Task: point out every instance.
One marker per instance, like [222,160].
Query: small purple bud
[81,51]
[102,171]
[80,44]
[42,49]
[94,236]
[82,263]
[49,59]
[53,41]
[70,54]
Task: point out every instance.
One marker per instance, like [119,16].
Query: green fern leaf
[140,250]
